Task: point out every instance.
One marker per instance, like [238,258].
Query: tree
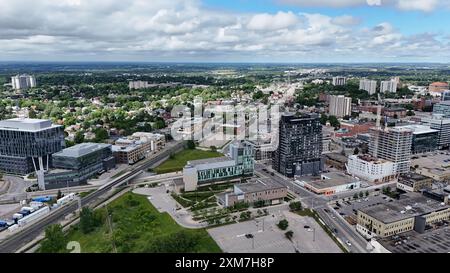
[59,195]
[101,134]
[367,193]
[289,234]
[32,113]
[334,122]
[356,151]
[79,137]
[213,148]
[361,194]
[295,206]
[283,224]
[355,196]
[190,144]
[55,241]
[88,220]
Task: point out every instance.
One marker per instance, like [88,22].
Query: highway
[28,233]
[319,203]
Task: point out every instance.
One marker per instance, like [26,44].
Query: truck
[34,216]
[17,216]
[65,199]
[43,199]
[30,209]
[3,224]
[36,205]
[24,212]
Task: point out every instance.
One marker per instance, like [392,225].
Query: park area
[177,161]
[133,225]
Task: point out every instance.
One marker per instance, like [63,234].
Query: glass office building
[75,165]
[27,144]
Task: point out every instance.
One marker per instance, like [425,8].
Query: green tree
[334,122]
[361,194]
[213,148]
[79,137]
[89,220]
[355,196]
[367,193]
[283,224]
[101,134]
[190,144]
[32,113]
[356,151]
[55,241]
[295,206]
[59,194]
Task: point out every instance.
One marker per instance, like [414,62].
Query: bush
[89,220]
[295,206]
[283,224]
[55,241]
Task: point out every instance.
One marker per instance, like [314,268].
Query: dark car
[249,236]
[307,227]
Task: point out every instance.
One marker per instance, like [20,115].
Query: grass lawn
[180,159]
[138,227]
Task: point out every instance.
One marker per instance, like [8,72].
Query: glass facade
[19,146]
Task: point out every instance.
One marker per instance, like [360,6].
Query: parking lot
[349,208]
[266,237]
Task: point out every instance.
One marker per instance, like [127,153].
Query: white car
[348,243]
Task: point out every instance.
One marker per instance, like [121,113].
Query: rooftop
[432,241]
[409,205]
[420,129]
[329,180]
[197,162]
[26,124]
[81,149]
[258,185]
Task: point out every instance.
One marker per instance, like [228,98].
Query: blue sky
[226,31]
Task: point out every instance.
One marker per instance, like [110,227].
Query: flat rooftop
[258,185]
[409,205]
[197,162]
[329,180]
[26,124]
[420,129]
[81,149]
[431,241]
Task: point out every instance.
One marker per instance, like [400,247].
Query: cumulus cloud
[181,30]
[420,5]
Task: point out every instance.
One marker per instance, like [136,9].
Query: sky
[292,31]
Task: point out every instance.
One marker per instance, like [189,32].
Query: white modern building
[138,84]
[393,144]
[368,85]
[329,183]
[23,81]
[388,86]
[340,106]
[370,169]
[339,81]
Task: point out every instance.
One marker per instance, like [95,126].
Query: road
[319,203]
[17,240]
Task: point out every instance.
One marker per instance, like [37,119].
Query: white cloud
[267,21]
[172,30]
[423,5]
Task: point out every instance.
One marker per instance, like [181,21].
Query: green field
[138,227]
[179,160]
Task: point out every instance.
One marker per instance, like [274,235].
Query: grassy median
[177,161]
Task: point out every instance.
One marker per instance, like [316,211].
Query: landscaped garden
[176,162]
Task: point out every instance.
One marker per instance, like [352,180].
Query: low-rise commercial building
[329,183]
[414,182]
[435,166]
[396,112]
[239,163]
[136,147]
[412,212]
[75,165]
[371,169]
[265,192]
